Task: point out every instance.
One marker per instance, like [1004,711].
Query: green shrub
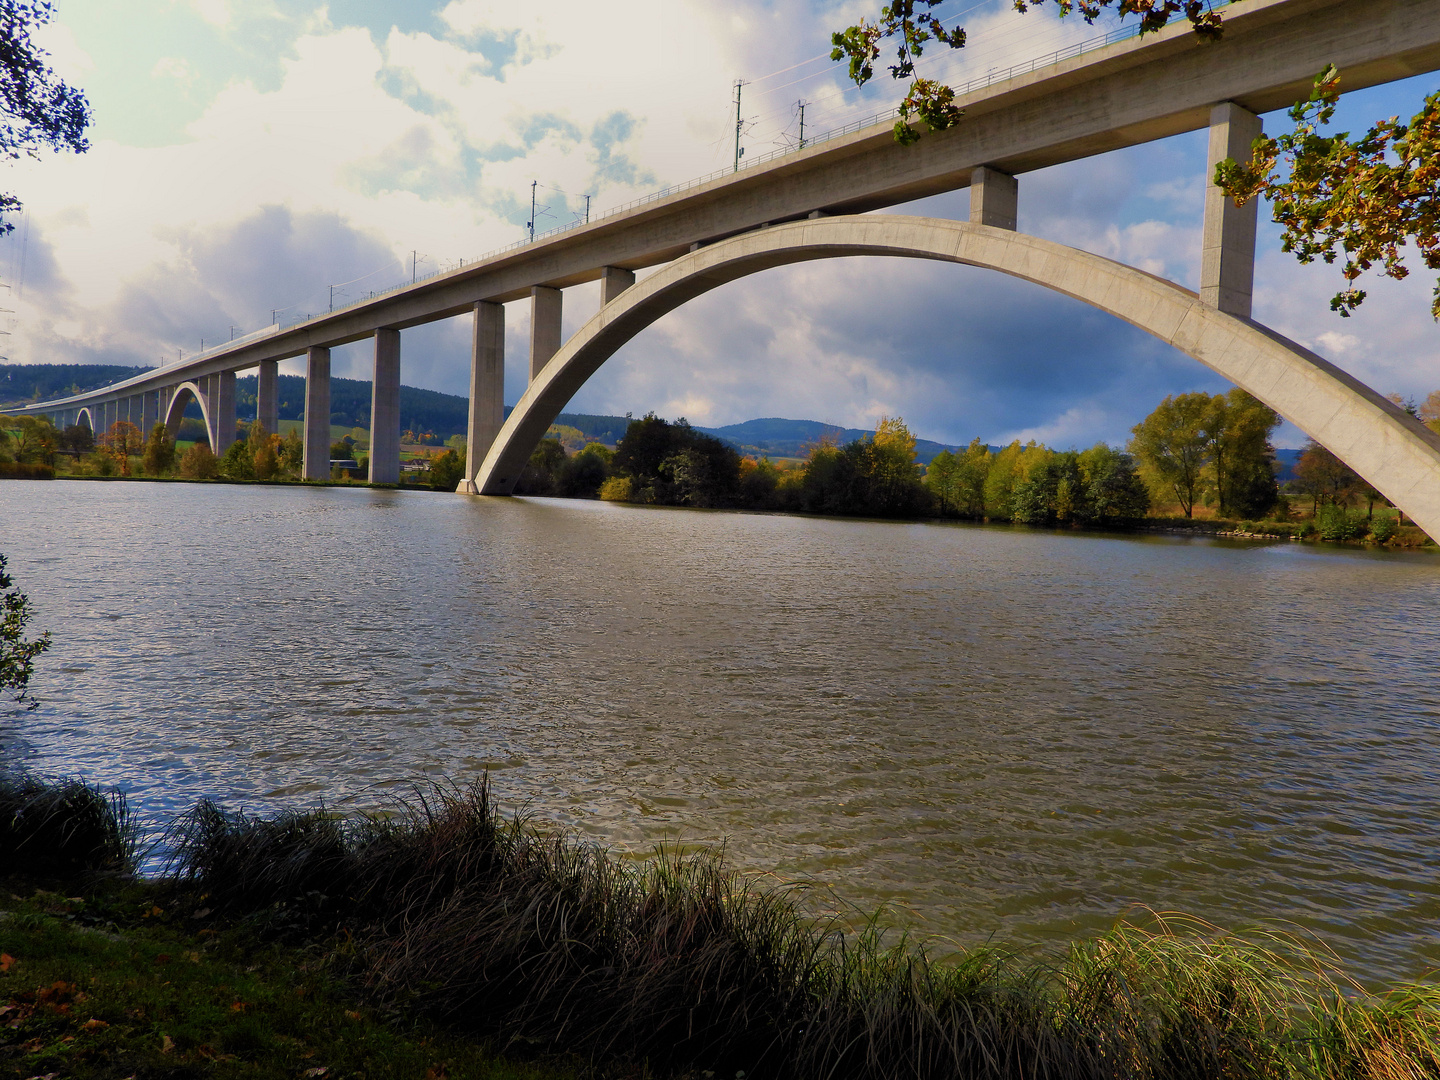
[1334,522]
[1383,529]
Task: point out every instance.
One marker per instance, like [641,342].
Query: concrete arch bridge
[819,202]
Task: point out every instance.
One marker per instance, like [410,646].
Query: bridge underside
[1389,448]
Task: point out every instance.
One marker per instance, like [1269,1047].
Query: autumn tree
[974,470]
[1429,411]
[1242,461]
[121,443]
[1324,477]
[942,477]
[292,451]
[159,452]
[1172,445]
[199,463]
[264,450]
[35,439]
[1000,481]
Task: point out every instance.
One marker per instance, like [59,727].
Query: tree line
[31,443]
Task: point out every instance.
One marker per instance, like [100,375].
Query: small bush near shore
[66,829]
[19,470]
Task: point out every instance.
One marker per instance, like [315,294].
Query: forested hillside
[24,383]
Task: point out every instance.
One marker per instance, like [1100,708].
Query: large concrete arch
[179,401]
[84,417]
[1390,449]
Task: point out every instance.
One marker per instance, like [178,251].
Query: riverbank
[445,927]
[1407,537]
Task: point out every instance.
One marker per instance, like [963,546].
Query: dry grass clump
[679,964]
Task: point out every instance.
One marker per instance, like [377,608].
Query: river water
[993,732]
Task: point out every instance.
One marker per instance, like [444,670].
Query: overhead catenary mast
[739,150]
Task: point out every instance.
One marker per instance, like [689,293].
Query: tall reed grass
[679,964]
[63,828]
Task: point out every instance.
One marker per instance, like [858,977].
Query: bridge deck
[1131,92]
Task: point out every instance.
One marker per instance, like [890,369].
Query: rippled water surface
[993,731]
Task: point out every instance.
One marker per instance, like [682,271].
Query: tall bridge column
[613,281]
[267,395]
[317,415]
[222,407]
[994,198]
[385,409]
[149,412]
[545,305]
[487,389]
[1227,260]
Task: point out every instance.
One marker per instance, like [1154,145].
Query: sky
[250,159]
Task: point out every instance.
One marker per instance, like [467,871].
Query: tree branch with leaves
[37,108]
[1364,198]
[932,102]
[17,653]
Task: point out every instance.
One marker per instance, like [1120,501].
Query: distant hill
[778,437]
[21,384]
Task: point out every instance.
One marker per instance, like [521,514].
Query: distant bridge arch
[179,402]
[83,418]
[1389,448]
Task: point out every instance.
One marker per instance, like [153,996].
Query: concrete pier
[545,304]
[149,412]
[317,414]
[385,409]
[994,198]
[1227,258]
[613,281]
[267,395]
[222,408]
[487,389]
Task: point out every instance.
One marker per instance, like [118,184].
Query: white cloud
[346,147]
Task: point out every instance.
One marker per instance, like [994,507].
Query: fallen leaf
[201,913]
[193,957]
[239,1006]
[353,1014]
[321,1071]
[93,1025]
[166,1044]
[7,961]
[162,958]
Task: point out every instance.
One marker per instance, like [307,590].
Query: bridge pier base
[267,395]
[385,409]
[545,305]
[487,389]
[1227,259]
[317,415]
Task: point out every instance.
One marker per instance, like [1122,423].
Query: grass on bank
[498,932]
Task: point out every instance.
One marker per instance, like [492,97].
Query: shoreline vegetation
[432,938]
[1196,464]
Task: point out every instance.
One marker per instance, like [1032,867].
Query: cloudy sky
[250,156]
